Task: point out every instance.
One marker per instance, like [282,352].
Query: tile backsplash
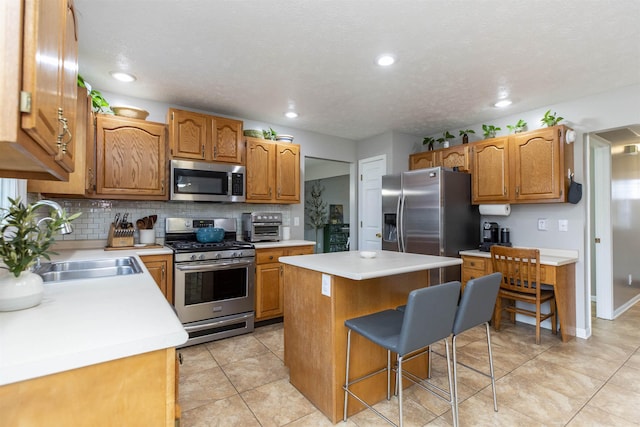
[97,215]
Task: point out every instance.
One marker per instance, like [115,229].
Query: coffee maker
[491,235]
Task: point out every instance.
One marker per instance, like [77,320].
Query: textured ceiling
[254,58]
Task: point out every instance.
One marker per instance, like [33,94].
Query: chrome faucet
[66,227]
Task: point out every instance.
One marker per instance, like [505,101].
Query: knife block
[119,237]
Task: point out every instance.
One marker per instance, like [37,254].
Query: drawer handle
[270,256]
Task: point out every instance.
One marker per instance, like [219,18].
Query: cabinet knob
[473,264]
[270,256]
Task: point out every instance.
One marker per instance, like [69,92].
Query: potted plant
[316,208]
[446,136]
[428,141]
[518,127]
[489,131]
[550,119]
[465,135]
[24,239]
[269,134]
[98,102]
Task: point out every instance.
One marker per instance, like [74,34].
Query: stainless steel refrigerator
[429,211]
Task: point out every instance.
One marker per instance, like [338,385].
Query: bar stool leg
[400,390]
[493,377]
[455,380]
[346,381]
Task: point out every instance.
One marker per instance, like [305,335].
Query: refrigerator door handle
[400,221]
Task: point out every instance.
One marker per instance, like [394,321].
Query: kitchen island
[321,291]
[94,352]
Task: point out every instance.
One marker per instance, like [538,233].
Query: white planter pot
[445,144]
[17,293]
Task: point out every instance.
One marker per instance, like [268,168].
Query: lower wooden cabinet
[161,268]
[118,392]
[269,280]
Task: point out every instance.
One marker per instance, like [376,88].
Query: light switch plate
[563,225]
[326,285]
[296,221]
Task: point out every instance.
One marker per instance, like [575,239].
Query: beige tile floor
[241,381]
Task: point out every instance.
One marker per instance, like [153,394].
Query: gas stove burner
[185,246]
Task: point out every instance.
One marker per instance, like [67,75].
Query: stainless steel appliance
[213,282]
[207,182]
[429,211]
[262,226]
[492,234]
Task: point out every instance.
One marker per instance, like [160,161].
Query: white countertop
[283,244]
[555,257]
[81,323]
[351,266]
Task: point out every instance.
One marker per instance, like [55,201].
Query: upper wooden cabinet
[490,164]
[273,172]
[130,158]
[38,97]
[528,167]
[452,157]
[82,180]
[424,159]
[198,136]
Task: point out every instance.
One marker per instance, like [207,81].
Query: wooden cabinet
[130,158]
[38,97]
[82,180]
[203,137]
[423,160]
[528,167]
[161,269]
[490,179]
[269,280]
[452,157]
[117,392]
[273,172]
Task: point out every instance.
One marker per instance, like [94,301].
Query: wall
[625,221]
[396,145]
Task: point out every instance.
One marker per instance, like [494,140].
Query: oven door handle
[214,266]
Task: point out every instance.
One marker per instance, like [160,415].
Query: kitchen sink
[88,269]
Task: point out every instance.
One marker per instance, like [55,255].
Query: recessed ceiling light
[503,103]
[385,60]
[123,77]
[291,114]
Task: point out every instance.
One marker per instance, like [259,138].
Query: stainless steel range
[213,282]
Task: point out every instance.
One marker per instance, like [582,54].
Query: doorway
[330,214]
[614,210]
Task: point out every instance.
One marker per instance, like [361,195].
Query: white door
[602,240]
[370,173]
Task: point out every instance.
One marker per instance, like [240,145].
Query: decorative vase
[445,144]
[465,138]
[431,147]
[17,293]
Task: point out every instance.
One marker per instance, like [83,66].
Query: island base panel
[117,392]
[316,338]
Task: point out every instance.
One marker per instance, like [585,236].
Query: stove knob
[202,257]
[192,257]
[218,256]
[234,255]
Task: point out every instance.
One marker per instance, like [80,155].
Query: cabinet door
[490,165]
[82,179]
[188,134]
[227,142]
[269,291]
[160,268]
[69,81]
[456,157]
[537,163]
[288,173]
[130,158]
[260,170]
[426,159]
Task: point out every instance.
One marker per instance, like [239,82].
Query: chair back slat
[520,268]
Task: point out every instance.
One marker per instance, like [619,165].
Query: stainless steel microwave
[207,182]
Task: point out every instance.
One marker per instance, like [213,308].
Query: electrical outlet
[563,225]
[542,224]
[296,221]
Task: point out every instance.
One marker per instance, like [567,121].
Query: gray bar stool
[428,318]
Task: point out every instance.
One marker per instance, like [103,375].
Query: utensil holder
[119,237]
[147,237]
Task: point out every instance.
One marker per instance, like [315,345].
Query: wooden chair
[520,268]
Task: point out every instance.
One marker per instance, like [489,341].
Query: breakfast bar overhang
[320,292]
